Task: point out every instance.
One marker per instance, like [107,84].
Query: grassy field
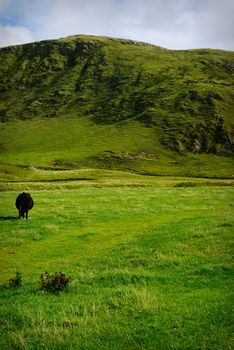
[76,144]
[127,151]
[150,268]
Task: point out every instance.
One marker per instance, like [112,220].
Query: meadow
[150,268]
[127,151]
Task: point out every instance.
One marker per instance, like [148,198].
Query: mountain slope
[104,102]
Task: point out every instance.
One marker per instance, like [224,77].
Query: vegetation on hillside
[175,101]
[88,126]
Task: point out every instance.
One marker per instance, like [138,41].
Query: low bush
[55,283]
[16,281]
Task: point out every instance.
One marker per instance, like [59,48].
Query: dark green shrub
[55,283]
[16,281]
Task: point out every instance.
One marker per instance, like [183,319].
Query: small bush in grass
[55,283]
[16,281]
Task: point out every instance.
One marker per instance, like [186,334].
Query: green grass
[99,102]
[76,143]
[150,268]
[126,149]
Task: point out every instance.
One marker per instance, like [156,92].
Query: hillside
[100,102]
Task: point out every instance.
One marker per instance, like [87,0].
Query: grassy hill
[115,104]
[86,123]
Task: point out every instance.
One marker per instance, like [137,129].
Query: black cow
[24,203]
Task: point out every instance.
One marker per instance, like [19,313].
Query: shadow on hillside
[9,218]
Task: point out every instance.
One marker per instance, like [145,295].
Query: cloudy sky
[174,24]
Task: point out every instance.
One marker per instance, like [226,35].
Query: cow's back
[25,200]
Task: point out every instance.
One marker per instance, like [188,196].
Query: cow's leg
[26,214]
[19,214]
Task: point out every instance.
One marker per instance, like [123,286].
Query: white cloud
[4,4]
[177,24]
[13,35]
